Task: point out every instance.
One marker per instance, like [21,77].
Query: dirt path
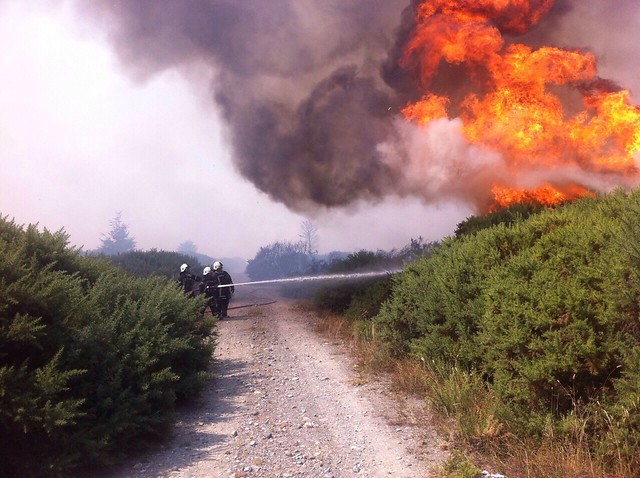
[286,402]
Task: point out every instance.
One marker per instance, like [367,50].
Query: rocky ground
[286,401]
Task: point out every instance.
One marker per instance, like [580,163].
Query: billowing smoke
[311,90]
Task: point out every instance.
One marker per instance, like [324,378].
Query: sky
[80,140]
[182,135]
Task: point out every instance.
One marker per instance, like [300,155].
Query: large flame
[541,108]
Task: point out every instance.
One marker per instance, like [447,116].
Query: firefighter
[209,287]
[186,280]
[224,293]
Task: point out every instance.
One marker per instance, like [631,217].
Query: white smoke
[437,163]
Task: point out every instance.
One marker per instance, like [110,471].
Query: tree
[118,239]
[155,262]
[278,260]
[188,247]
[309,237]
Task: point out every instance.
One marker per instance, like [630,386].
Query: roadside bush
[336,298]
[92,359]
[546,310]
[549,327]
[436,303]
[362,299]
[366,302]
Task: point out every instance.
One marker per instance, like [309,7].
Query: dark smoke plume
[297,82]
[309,89]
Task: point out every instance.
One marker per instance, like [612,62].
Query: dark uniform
[224,293]
[209,287]
[186,280]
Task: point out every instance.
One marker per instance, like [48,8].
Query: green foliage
[337,297]
[361,260]
[92,359]
[509,215]
[360,301]
[435,303]
[459,466]
[154,262]
[278,260]
[366,301]
[546,309]
[549,325]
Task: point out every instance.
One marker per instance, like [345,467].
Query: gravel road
[288,402]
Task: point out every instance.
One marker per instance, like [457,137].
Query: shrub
[362,299]
[509,215]
[91,358]
[154,262]
[546,309]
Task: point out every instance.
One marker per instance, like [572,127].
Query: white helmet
[206,270]
[217,265]
[184,267]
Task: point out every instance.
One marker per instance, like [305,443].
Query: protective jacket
[209,285]
[186,281]
[224,278]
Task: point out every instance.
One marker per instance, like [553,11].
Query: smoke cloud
[310,90]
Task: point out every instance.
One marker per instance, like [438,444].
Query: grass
[465,409]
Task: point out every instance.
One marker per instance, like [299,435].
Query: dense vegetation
[155,262]
[529,329]
[506,216]
[525,326]
[283,259]
[361,299]
[92,359]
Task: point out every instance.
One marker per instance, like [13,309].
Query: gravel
[287,402]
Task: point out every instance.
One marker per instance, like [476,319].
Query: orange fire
[541,108]
[544,194]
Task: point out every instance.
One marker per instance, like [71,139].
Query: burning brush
[544,110]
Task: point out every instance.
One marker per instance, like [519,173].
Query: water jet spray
[354,275]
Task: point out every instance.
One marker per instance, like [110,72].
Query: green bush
[509,215]
[362,298]
[545,308]
[436,302]
[365,302]
[336,298]
[92,359]
[549,326]
[460,466]
[154,262]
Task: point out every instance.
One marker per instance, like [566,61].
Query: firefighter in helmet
[209,287]
[186,280]
[226,291]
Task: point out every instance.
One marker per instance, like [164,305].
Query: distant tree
[118,239]
[309,237]
[363,259]
[188,247]
[416,248]
[277,260]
